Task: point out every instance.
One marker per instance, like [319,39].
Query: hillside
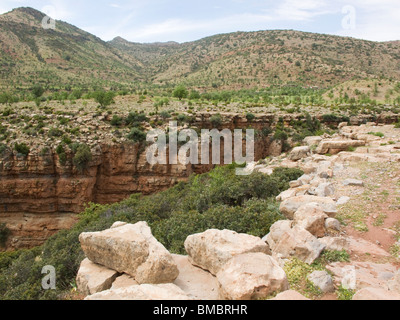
[256,59]
[66,56]
[70,57]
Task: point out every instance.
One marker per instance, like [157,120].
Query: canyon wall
[39,196]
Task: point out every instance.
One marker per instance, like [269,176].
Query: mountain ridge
[71,57]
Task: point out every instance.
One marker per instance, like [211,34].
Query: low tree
[104,98]
[37,91]
[82,157]
[180,92]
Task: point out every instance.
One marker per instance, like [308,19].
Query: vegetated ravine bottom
[219,199]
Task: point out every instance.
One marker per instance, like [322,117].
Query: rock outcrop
[212,249]
[132,265]
[133,250]
[251,276]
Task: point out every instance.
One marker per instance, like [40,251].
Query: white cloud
[301,10]
[376,20]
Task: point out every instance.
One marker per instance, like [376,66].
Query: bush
[4,234]
[281,135]
[116,121]
[104,98]
[3,148]
[137,135]
[135,119]
[82,157]
[55,132]
[250,117]
[216,120]
[22,149]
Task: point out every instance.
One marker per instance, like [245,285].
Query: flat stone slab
[194,281]
[362,274]
[375,294]
[146,292]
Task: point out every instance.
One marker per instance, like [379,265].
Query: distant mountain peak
[28,11]
[25,15]
[119,40]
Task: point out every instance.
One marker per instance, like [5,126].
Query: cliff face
[39,196]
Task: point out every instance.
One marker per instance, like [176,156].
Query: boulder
[322,280]
[251,276]
[290,206]
[325,190]
[332,224]
[299,153]
[343,200]
[146,292]
[375,294]
[336,146]
[299,191]
[298,243]
[93,278]
[212,249]
[133,250]
[353,183]
[276,231]
[311,217]
[295,184]
[335,243]
[312,141]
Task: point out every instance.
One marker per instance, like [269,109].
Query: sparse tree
[180,92]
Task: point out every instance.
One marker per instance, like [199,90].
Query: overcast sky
[185,20]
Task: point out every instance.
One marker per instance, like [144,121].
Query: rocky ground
[340,239]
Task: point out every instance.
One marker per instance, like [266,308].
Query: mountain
[70,57]
[66,56]
[248,59]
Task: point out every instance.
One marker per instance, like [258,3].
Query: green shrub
[22,149]
[250,117]
[216,120]
[327,118]
[4,234]
[137,135]
[82,157]
[377,134]
[55,132]
[345,294]
[104,98]
[134,119]
[3,149]
[281,135]
[116,121]
[180,92]
[165,115]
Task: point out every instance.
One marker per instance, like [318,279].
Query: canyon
[39,196]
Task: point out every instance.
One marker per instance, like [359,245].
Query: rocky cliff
[39,196]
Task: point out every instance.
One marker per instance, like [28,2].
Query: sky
[184,20]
